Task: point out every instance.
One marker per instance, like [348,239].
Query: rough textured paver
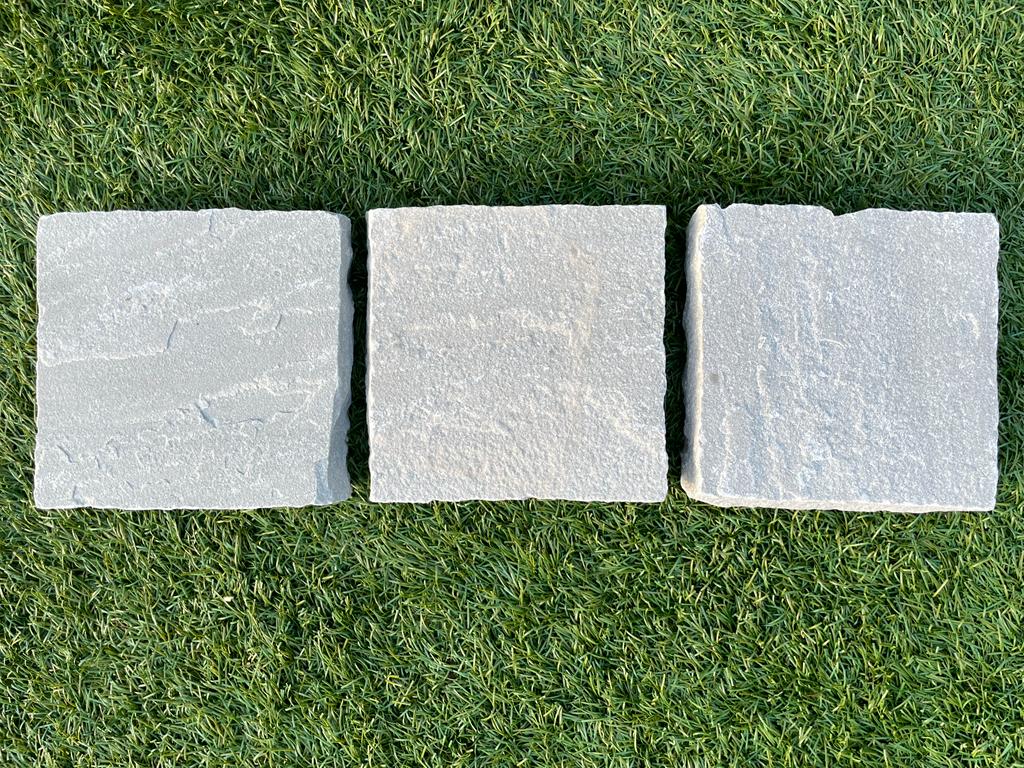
[192,359]
[843,362]
[517,352]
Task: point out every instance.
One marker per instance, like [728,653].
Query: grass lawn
[532,633]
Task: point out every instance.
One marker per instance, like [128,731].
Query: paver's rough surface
[192,360]
[517,353]
[841,362]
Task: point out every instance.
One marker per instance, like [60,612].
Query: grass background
[522,633]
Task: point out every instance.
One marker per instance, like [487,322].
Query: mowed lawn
[533,633]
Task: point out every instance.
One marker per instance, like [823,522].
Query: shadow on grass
[358,436]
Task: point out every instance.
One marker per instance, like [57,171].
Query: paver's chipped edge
[694,321]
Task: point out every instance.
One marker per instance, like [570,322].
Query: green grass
[522,633]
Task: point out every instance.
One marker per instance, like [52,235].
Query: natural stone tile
[843,362]
[192,359]
[516,352]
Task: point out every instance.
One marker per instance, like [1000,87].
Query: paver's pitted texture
[843,362]
[192,359]
[516,352]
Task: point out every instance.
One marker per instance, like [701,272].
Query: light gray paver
[192,359]
[516,352]
[841,362]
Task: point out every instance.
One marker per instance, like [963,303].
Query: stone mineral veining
[192,359]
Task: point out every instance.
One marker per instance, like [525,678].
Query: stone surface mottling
[516,352]
[842,362]
[192,359]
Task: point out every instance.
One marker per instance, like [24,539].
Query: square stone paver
[192,359]
[516,352]
[841,362]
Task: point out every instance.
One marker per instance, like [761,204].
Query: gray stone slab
[516,353]
[192,360]
[841,362]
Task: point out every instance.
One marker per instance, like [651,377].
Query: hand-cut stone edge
[825,504]
[337,486]
[693,314]
[691,479]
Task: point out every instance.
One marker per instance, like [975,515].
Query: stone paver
[192,359]
[516,352]
[843,362]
